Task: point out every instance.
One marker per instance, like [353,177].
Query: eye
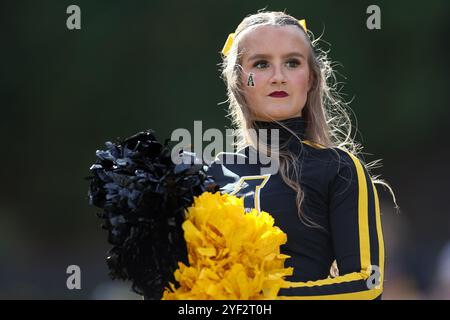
[294,63]
[261,64]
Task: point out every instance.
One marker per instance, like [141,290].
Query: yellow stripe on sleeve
[380,235]
[363,216]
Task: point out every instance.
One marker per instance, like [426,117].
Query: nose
[278,76]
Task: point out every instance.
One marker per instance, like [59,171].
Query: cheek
[301,80]
[257,79]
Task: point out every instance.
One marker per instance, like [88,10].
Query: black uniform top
[338,195]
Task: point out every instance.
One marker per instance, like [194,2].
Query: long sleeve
[356,234]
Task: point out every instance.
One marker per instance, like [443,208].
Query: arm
[356,233]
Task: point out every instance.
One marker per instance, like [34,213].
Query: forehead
[274,39]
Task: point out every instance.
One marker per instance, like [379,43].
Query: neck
[287,129]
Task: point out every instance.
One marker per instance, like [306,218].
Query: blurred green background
[154,64]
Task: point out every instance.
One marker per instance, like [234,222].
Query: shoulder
[328,156]
[335,161]
[335,155]
[345,160]
[314,145]
[347,170]
[320,152]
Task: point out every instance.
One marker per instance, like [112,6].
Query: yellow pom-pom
[232,254]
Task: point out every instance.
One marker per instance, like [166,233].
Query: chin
[280,113]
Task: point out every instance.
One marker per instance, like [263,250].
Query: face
[277,58]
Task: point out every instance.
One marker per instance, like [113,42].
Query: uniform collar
[296,124]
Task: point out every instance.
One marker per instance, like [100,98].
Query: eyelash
[255,65]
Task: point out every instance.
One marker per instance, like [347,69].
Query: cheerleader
[322,195]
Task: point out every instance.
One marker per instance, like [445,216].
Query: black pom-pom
[144,195]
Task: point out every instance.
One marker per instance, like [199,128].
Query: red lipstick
[278,94]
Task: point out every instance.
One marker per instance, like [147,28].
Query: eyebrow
[266,56]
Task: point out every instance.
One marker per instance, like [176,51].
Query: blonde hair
[325,113]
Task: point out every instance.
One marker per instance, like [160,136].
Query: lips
[278,94]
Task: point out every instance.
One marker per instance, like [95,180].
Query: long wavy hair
[325,113]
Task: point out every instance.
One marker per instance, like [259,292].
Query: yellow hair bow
[230,39]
